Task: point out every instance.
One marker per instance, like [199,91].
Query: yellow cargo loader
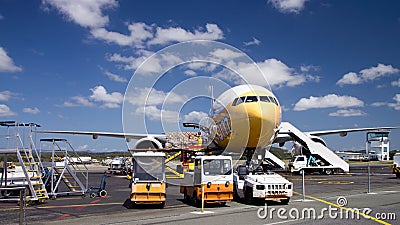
[148,178]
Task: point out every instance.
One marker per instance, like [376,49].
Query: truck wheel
[398,175]
[285,201]
[162,204]
[248,196]
[197,202]
[328,172]
[235,194]
[186,197]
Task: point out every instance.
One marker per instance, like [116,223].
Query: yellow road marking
[307,178]
[347,209]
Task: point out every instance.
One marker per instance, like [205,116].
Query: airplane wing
[343,132]
[95,135]
[284,137]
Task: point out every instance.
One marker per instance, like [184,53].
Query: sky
[66,64]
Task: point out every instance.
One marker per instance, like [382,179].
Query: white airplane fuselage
[245,117]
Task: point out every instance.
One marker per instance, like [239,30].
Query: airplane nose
[263,119]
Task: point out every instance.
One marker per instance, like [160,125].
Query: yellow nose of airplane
[263,118]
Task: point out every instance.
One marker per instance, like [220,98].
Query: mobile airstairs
[315,148]
[64,175]
[18,145]
[272,159]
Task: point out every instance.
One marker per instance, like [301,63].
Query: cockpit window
[248,99]
[269,99]
[265,99]
[251,99]
[239,101]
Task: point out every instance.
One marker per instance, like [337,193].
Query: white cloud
[328,101]
[369,74]
[142,34]
[153,97]
[78,101]
[7,63]
[5,111]
[82,147]
[177,34]
[153,113]
[194,116]
[1,17]
[31,110]
[190,73]
[6,95]
[115,77]
[86,13]
[139,32]
[396,83]
[348,113]
[395,105]
[288,6]
[113,100]
[255,41]
[278,74]
[99,94]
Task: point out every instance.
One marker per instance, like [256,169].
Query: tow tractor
[258,185]
[148,184]
[396,165]
[213,174]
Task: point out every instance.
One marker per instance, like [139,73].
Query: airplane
[241,120]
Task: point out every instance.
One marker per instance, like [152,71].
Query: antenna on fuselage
[212,95]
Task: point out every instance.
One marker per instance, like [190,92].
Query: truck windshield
[148,168]
[214,167]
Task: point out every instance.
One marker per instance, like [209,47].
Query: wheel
[398,175]
[328,172]
[162,205]
[222,203]
[197,202]
[235,194]
[186,197]
[248,196]
[285,201]
[103,193]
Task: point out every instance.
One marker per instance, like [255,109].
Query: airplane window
[264,99]
[238,101]
[234,102]
[251,99]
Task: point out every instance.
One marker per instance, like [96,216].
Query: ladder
[33,175]
[315,148]
[23,147]
[65,177]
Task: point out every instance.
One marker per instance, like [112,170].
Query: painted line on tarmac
[347,209]
[203,213]
[307,178]
[77,205]
[286,221]
[100,204]
[336,182]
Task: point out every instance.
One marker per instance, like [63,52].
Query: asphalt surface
[322,192]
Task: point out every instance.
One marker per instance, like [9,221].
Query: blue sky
[332,64]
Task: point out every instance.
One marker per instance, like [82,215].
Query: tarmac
[323,203]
